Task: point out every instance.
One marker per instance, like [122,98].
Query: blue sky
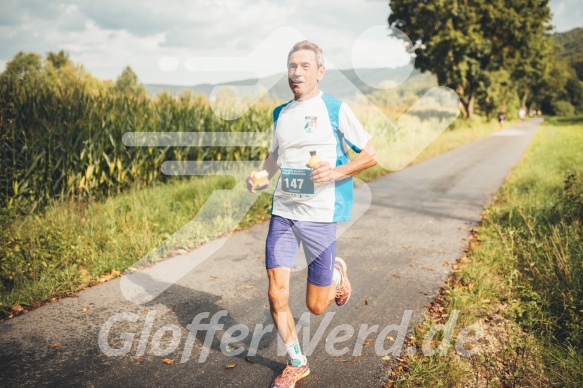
[158,39]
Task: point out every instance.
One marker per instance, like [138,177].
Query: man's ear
[321,72]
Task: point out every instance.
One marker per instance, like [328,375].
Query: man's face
[304,74]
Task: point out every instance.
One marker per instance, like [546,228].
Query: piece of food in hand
[314,159]
[260,179]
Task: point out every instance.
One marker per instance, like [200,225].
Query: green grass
[526,272]
[72,244]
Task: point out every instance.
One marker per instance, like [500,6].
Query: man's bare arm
[367,158]
[270,165]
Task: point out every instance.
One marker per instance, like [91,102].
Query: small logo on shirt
[310,123]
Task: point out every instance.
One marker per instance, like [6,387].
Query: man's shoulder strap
[333,106]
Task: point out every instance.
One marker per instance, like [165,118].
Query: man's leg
[280,251]
[279,303]
[327,278]
[318,298]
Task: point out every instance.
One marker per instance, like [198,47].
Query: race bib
[296,182]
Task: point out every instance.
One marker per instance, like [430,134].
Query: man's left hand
[323,173]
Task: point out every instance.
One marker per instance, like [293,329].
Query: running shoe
[344,290]
[292,373]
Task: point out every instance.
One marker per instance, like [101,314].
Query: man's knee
[278,297]
[317,308]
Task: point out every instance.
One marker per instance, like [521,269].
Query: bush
[572,198]
[563,108]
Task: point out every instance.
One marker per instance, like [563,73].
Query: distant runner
[312,134]
[521,113]
[501,118]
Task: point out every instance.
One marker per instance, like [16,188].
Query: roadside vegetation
[521,283]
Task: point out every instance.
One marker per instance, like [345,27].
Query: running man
[307,203]
[501,118]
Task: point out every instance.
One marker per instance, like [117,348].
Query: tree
[464,42]
[128,82]
[496,94]
[529,51]
[569,48]
[553,88]
[24,70]
[532,68]
[28,71]
[578,66]
[567,68]
[448,42]
[574,90]
[59,59]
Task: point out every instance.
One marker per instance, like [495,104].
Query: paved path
[419,218]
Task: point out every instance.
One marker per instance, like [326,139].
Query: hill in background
[346,84]
[343,84]
[569,48]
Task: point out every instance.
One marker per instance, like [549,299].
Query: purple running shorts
[318,239]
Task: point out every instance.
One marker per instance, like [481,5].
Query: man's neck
[305,97]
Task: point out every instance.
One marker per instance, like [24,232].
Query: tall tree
[496,94]
[532,67]
[128,82]
[464,41]
[23,70]
[529,49]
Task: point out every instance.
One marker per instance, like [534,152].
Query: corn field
[57,144]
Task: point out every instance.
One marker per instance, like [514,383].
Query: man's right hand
[251,185]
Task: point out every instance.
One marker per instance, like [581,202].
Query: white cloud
[567,14]
[108,35]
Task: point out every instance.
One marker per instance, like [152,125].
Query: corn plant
[63,143]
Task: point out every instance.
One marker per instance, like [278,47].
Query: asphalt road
[418,219]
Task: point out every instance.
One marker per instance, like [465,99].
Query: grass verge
[71,245]
[521,286]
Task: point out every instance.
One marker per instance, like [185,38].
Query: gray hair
[306,45]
